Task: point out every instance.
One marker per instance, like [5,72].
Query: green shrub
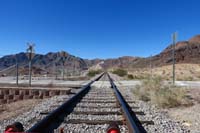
[190,78]
[120,72]
[92,73]
[130,76]
[153,90]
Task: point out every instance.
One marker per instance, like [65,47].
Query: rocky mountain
[52,62]
[48,63]
[185,52]
[121,62]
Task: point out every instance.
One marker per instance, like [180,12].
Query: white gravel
[97,109]
[29,118]
[101,94]
[162,122]
[84,128]
[93,117]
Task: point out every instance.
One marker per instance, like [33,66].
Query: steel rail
[130,122]
[48,124]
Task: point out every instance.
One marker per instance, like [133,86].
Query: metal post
[63,68]
[74,72]
[30,51]
[17,73]
[173,54]
[30,72]
[151,66]
[63,56]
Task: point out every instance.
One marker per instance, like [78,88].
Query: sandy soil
[14,109]
[186,72]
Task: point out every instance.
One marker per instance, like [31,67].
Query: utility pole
[74,67]
[55,71]
[17,72]
[56,66]
[151,67]
[174,36]
[63,57]
[30,54]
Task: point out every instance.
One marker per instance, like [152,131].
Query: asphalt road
[46,81]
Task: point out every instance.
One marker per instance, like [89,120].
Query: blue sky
[96,28]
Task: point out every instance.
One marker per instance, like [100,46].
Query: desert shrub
[168,97]
[163,72]
[192,72]
[153,90]
[3,107]
[141,93]
[50,84]
[130,76]
[92,73]
[190,78]
[120,72]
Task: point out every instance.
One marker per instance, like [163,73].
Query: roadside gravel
[30,117]
[163,123]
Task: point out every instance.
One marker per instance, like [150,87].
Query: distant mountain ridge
[185,52]
[49,63]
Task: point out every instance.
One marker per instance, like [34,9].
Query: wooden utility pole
[63,56]
[174,36]
[30,54]
[17,72]
[151,67]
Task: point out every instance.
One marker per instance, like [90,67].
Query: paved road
[42,81]
[46,81]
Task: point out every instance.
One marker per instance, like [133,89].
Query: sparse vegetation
[153,90]
[120,72]
[2,107]
[184,72]
[50,85]
[92,73]
[130,76]
[190,78]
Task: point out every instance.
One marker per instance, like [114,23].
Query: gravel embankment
[32,116]
[162,122]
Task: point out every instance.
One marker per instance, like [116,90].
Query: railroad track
[92,109]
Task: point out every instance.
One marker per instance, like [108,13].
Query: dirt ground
[184,72]
[8,111]
[190,116]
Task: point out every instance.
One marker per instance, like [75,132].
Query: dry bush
[141,93]
[50,85]
[153,90]
[168,97]
[92,73]
[190,78]
[163,72]
[120,72]
[130,76]
[3,107]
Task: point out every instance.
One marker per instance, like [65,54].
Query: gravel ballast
[31,117]
[162,122]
